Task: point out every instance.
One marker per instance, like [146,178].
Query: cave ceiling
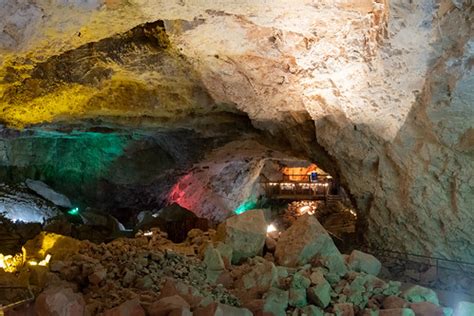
[382,90]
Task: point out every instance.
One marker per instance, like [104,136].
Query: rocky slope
[388,86]
[238,270]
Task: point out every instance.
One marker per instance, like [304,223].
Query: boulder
[305,240]
[426,309]
[59,301]
[128,308]
[172,287]
[396,312]
[299,281]
[276,302]
[58,246]
[297,297]
[393,301]
[217,309]
[416,294]
[270,244]
[312,310]
[344,309]
[166,305]
[214,264]
[464,309]
[43,190]
[98,275]
[176,221]
[364,262]
[245,233]
[320,294]
[260,278]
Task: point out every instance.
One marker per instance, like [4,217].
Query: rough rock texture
[364,262]
[245,234]
[59,301]
[388,85]
[307,240]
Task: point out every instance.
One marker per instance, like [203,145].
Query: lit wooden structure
[304,189]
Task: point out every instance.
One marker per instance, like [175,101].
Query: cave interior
[225,158]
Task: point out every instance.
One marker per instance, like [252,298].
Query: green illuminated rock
[418,293]
[276,302]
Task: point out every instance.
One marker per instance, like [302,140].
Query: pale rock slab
[59,301]
[305,240]
[49,194]
[245,233]
[364,262]
[464,309]
[416,294]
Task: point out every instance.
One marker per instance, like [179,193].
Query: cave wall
[387,86]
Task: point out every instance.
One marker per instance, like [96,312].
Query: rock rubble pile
[240,269]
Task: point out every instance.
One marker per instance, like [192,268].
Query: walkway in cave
[300,187]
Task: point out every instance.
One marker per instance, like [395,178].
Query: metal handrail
[431,262]
[370,249]
[31,298]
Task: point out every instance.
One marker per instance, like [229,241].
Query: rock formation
[379,92]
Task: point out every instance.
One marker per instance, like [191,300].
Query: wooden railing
[299,189]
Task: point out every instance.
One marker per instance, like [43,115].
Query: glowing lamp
[74,211]
[304,209]
[271,228]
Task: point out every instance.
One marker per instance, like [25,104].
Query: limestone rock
[464,309]
[416,294]
[344,309]
[276,302]
[312,310]
[320,294]
[261,277]
[426,309]
[392,301]
[49,194]
[127,308]
[216,309]
[167,305]
[214,263]
[57,246]
[297,297]
[364,262]
[396,312]
[305,240]
[59,301]
[245,233]
[98,275]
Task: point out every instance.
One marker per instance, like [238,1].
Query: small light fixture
[74,211]
[271,228]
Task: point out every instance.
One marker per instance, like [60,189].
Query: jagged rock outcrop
[388,86]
